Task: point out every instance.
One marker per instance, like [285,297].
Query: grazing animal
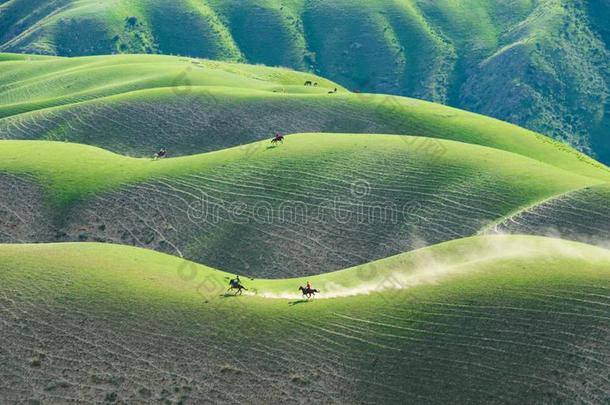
[278,138]
[315,84]
[236,285]
[309,292]
[308,83]
[333,91]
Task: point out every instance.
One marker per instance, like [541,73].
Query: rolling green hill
[340,200]
[39,83]
[491,320]
[134,104]
[336,199]
[542,64]
[425,227]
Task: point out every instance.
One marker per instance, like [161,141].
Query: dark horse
[236,285]
[309,292]
[278,138]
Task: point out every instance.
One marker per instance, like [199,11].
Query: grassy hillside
[579,215]
[340,200]
[135,104]
[542,64]
[92,323]
[337,200]
[38,83]
[389,205]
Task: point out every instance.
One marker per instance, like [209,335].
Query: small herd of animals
[315,84]
[306,84]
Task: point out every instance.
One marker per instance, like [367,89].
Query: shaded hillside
[580,215]
[543,64]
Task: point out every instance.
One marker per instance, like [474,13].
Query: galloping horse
[236,285]
[309,292]
[278,138]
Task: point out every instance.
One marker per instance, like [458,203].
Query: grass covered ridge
[132,268]
[384,203]
[255,208]
[72,170]
[134,103]
[31,83]
[466,314]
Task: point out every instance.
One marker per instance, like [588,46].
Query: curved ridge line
[212,88]
[489,227]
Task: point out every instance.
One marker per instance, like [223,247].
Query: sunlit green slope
[490,320]
[136,104]
[36,83]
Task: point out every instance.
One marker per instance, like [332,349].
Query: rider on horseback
[308,290]
[235,282]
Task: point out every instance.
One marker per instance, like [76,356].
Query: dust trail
[429,266]
[553,232]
